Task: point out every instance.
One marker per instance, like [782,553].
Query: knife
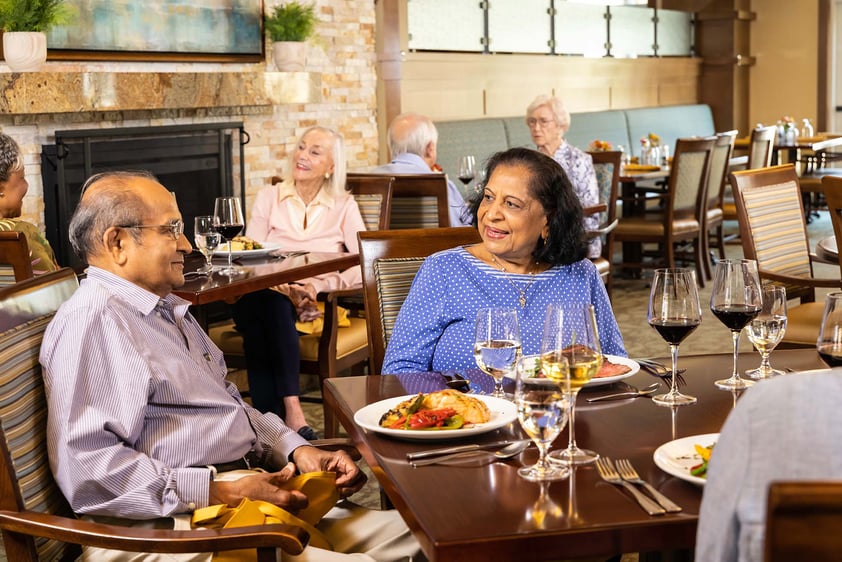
[456,449]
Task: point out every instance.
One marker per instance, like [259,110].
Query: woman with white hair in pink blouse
[548,122]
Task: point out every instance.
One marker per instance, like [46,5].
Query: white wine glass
[767,329]
[467,169]
[829,342]
[735,300]
[542,413]
[230,223]
[674,312]
[497,344]
[207,238]
[570,334]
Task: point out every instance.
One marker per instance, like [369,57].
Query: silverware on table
[629,474]
[460,449]
[476,458]
[633,393]
[661,371]
[608,473]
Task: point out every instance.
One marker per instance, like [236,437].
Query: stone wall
[337,90]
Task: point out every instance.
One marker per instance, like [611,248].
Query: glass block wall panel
[632,31]
[580,29]
[675,33]
[515,26]
[445,25]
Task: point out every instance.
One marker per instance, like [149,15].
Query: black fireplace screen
[194,161]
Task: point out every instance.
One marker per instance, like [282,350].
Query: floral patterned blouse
[578,165]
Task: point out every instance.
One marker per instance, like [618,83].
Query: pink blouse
[279,216]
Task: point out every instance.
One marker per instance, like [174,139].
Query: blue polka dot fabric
[435,328]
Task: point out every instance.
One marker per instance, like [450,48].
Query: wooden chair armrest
[603,229]
[594,209]
[338,444]
[805,281]
[77,531]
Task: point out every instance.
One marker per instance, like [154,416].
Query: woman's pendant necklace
[522,298]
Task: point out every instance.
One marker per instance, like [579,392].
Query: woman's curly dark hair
[549,185]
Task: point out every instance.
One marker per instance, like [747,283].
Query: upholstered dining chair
[607,168]
[803,519]
[36,520]
[832,189]
[15,263]
[418,200]
[683,211]
[390,259]
[332,350]
[774,232]
[717,176]
[761,146]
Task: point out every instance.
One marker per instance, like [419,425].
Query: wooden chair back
[772,225]
[374,198]
[832,187]
[761,147]
[607,167]
[390,259]
[418,200]
[15,262]
[803,519]
[35,297]
[721,156]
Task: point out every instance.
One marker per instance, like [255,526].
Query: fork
[662,371]
[629,474]
[609,474]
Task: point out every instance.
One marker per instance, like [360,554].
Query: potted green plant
[289,25]
[24,24]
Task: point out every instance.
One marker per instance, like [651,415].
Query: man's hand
[349,477]
[259,486]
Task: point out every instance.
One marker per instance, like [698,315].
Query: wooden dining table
[491,513]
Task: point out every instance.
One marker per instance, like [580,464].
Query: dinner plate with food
[243,247]
[687,458]
[614,368]
[445,414]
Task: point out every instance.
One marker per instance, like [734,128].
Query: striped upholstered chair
[774,232]
[36,521]
[390,259]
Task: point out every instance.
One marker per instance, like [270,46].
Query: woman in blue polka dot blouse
[533,253]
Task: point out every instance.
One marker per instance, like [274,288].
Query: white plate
[679,456]
[631,363]
[222,251]
[503,413]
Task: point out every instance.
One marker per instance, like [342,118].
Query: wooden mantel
[73,92]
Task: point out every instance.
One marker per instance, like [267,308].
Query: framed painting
[161,30]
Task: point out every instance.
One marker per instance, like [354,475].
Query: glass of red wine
[230,223]
[735,300]
[467,169]
[829,343]
[674,312]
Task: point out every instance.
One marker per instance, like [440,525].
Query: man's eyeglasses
[174,229]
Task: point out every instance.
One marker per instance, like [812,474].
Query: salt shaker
[807,128]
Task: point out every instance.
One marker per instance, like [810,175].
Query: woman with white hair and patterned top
[548,122]
[13,187]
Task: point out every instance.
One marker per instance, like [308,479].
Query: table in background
[827,250]
[491,513]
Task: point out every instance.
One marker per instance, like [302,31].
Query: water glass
[497,344]
[206,238]
[767,329]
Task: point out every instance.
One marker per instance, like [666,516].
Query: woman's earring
[327,176]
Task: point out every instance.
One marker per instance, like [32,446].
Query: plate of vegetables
[687,458]
[446,414]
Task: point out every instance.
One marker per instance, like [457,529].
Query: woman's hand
[349,477]
[259,486]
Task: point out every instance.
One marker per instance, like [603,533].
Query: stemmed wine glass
[735,301]
[674,312]
[230,223]
[467,169]
[207,239]
[829,342]
[570,333]
[542,412]
[767,329]
[497,344]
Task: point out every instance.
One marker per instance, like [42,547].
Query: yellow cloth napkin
[316,326]
[320,489]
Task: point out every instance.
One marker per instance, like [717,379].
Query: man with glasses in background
[143,426]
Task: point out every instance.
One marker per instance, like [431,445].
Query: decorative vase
[289,56]
[25,51]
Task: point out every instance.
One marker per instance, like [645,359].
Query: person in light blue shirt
[533,253]
[412,144]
